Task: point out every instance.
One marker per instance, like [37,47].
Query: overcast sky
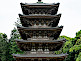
[70,19]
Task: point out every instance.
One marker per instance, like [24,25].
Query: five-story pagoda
[39,32]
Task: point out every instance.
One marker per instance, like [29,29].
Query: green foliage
[3,47]
[8,47]
[78,34]
[72,46]
[68,44]
[67,38]
[79,57]
[78,41]
[13,46]
[75,48]
[58,52]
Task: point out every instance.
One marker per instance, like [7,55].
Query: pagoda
[39,32]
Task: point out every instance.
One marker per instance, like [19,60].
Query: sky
[70,19]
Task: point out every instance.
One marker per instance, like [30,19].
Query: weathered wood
[39,32]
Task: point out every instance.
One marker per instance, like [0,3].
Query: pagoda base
[39,57]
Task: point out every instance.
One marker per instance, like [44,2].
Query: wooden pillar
[56,59]
[47,59]
[39,59]
[17,59]
[32,59]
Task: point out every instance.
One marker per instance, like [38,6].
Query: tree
[79,57]
[13,46]
[75,50]
[4,47]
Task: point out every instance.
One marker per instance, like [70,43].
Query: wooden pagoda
[40,32]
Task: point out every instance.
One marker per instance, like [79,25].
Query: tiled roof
[39,55]
[33,15]
[47,28]
[41,41]
[39,3]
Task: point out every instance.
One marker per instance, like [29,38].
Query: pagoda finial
[39,0]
